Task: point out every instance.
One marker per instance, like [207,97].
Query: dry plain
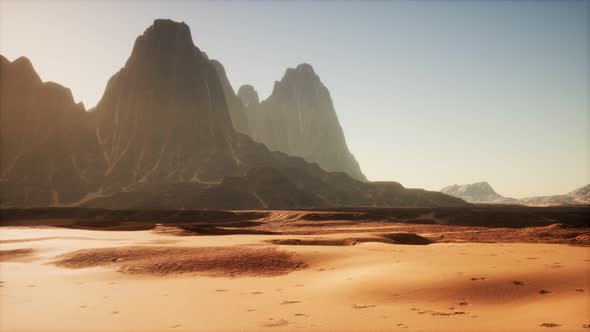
[289,271]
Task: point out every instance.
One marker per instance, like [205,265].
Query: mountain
[248,96]
[236,109]
[163,117]
[249,100]
[480,192]
[581,194]
[49,153]
[299,119]
[578,196]
[160,137]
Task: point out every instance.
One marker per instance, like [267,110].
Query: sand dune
[392,238]
[217,261]
[16,254]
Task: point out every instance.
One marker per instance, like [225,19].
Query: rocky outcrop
[299,119]
[248,96]
[480,192]
[161,137]
[49,153]
[236,109]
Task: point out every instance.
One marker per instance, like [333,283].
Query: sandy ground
[320,277]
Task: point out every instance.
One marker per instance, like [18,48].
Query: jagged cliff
[298,118]
[163,116]
[49,154]
[235,107]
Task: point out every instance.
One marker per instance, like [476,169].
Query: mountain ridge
[579,195]
[39,120]
[161,137]
[482,192]
[478,192]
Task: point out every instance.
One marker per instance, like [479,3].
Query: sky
[429,93]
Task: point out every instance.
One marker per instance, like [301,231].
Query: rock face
[299,119]
[49,154]
[163,117]
[480,192]
[581,194]
[161,137]
[578,196]
[250,102]
[236,109]
[248,96]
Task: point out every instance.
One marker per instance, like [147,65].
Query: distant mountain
[578,196]
[299,119]
[161,137]
[581,194]
[480,192]
[248,96]
[250,101]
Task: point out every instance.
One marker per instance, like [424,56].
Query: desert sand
[285,272]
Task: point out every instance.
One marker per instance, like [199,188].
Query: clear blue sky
[428,93]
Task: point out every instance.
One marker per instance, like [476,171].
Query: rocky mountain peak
[483,186]
[163,110]
[301,80]
[299,119]
[581,194]
[302,71]
[21,67]
[248,95]
[478,192]
[163,40]
[47,154]
[22,62]
[477,189]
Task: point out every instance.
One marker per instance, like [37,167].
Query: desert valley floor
[288,271]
